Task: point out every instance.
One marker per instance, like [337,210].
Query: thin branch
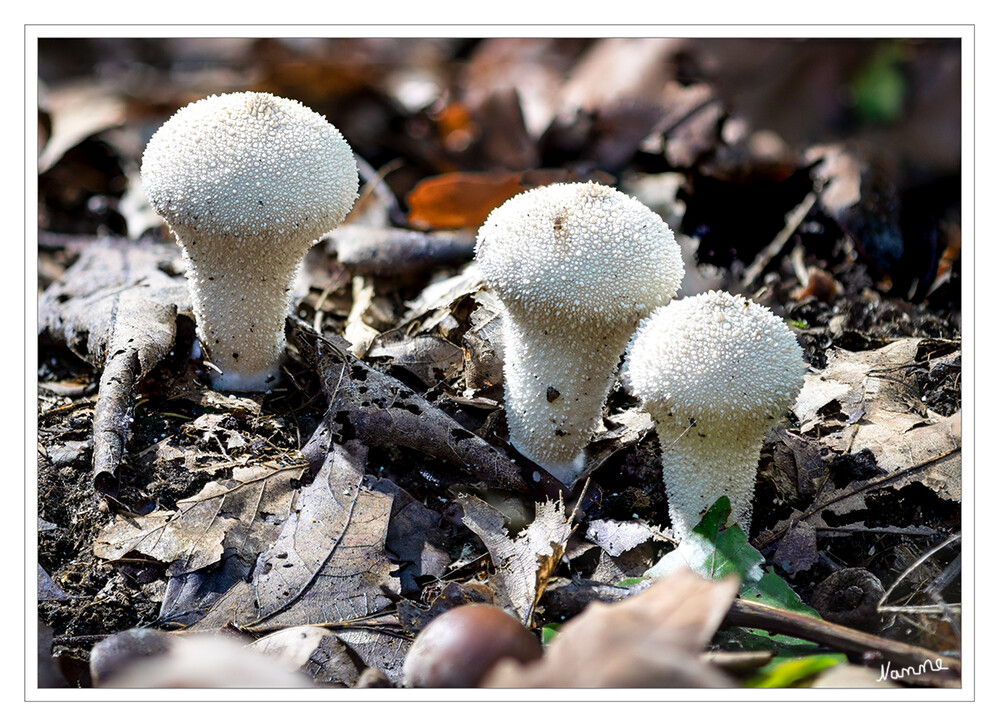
[749,614]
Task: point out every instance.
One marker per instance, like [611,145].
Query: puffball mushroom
[576,266]
[459,647]
[715,371]
[247,182]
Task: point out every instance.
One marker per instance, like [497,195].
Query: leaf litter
[330,506]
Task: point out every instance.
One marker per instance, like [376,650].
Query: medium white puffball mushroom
[247,182]
[576,267]
[716,372]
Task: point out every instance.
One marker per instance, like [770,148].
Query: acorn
[459,647]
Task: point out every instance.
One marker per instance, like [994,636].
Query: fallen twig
[749,614]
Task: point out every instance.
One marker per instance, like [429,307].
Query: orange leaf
[460,199]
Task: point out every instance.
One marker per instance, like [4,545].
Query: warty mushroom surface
[716,372]
[247,182]
[576,266]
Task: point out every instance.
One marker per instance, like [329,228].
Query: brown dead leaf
[378,409]
[311,650]
[427,357]
[116,309]
[650,640]
[240,514]
[864,401]
[417,536]
[525,563]
[78,111]
[328,564]
[383,649]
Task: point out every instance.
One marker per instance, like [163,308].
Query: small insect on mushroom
[247,182]
[716,372]
[576,266]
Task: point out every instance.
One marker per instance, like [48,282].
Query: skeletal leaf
[525,563]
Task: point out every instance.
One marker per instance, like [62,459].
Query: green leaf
[879,90]
[629,581]
[713,551]
[735,639]
[548,633]
[772,590]
[786,672]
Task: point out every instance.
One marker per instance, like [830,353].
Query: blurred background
[727,135]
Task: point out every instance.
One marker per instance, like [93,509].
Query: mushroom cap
[251,167]
[579,251]
[714,357]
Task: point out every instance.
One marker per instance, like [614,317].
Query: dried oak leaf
[239,514]
[650,640]
[524,564]
[865,401]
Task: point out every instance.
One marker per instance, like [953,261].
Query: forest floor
[163,504]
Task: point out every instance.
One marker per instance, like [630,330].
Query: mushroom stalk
[240,308]
[555,384]
[715,371]
[724,453]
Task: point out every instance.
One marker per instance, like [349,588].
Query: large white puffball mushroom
[715,372]
[247,183]
[576,267]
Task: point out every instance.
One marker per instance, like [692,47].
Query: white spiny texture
[247,182]
[576,266]
[715,372]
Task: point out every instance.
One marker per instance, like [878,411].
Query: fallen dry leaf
[314,651]
[460,199]
[524,563]
[863,401]
[116,309]
[328,564]
[650,640]
[239,514]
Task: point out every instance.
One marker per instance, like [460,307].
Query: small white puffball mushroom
[247,182]
[576,267]
[715,371]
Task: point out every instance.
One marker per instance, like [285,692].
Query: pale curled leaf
[384,650]
[524,563]
[650,640]
[615,537]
